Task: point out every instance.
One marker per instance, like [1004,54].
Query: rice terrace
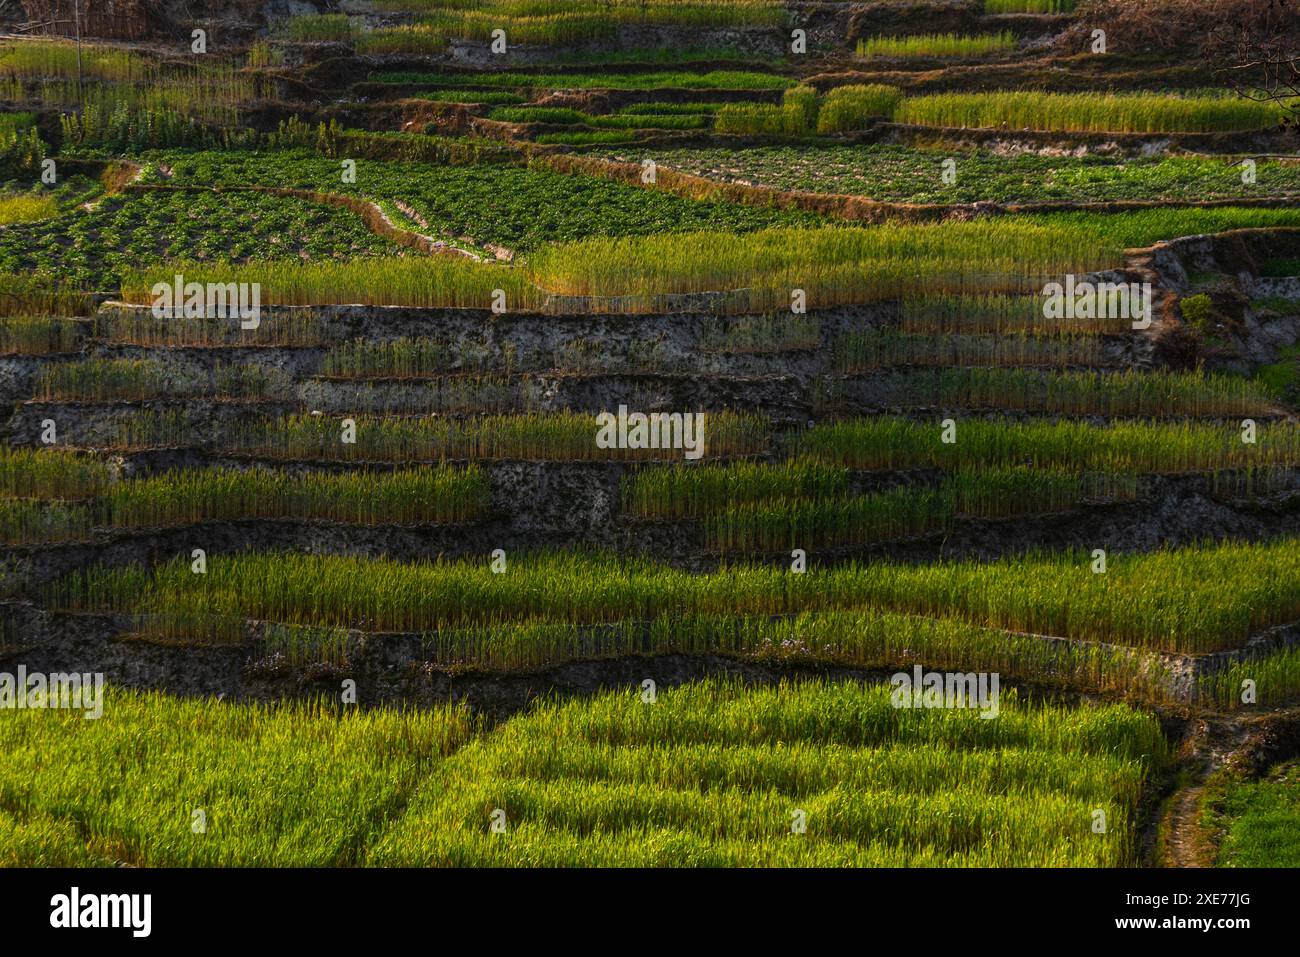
[650,434]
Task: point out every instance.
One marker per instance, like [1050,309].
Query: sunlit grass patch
[937,45]
[133,780]
[713,774]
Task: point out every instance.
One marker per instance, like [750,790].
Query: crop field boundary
[856,208]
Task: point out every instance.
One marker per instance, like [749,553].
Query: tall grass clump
[26,208]
[1089,112]
[863,638]
[325,27]
[834,265]
[37,523]
[1029,6]
[557,22]
[759,335]
[691,491]
[1275,681]
[565,116]
[211,91]
[50,474]
[103,380]
[782,523]
[848,108]
[796,116]
[38,336]
[659,80]
[23,295]
[1144,227]
[139,328]
[937,45]
[133,380]
[126,786]
[59,58]
[1169,600]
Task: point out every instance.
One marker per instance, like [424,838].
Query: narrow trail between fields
[1247,745]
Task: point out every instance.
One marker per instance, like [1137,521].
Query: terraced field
[558,448]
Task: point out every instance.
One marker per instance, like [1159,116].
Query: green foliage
[1028,6]
[1259,818]
[1195,599]
[1129,393]
[1147,447]
[21,152]
[907,174]
[38,336]
[849,108]
[937,45]
[563,436]
[659,80]
[1096,112]
[326,27]
[122,790]
[711,774]
[94,248]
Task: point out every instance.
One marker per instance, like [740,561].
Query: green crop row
[861,638]
[659,80]
[1129,393]
[423,496]
[1029,6]
[1095,112]
[1268,681]
[301,328]
[50,474]
[1146,447]
[802,774]
[564,436]
[400,359]
[936,316]
[937,45]
[720,771]
[853,107]
[114,380]
[1193,599]
[908,174]
[780,524]
[564,116]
